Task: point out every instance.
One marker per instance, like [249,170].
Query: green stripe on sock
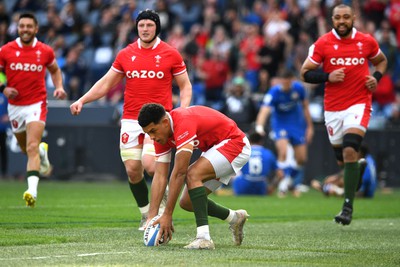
[32,173]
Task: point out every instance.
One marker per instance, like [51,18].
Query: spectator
[74,71]
[216,72]
[239,106]
[176,37]
[249,49]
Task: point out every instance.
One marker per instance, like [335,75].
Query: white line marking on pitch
[65,256]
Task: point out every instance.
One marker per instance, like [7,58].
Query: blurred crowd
[233,49]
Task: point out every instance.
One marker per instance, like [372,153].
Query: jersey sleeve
[185,133]
[51,55]
[315,52]
[117,64]
[375,50]
[161,149]
[178,66]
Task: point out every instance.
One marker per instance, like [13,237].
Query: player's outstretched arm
[97,91]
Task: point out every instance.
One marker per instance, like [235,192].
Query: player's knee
[32,149]
[191,177]
[351,146]
[134,172]
[353,141]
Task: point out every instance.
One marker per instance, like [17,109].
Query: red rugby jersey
[25,68]
[149,73]
[353,53]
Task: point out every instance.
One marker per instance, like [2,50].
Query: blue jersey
[254,174]
[4,124]
[369,180]
[287,117]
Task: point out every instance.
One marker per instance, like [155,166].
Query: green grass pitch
[95,224]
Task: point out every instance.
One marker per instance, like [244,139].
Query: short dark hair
[151,113]
[286,74]
[28,15]
[255,138]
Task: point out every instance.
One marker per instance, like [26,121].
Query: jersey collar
[171,121]
[353,33]
[158,40]
[19,43]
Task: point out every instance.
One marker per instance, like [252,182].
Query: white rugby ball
[151,232]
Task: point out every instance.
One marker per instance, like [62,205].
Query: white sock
[41,151]
[203,232]
[231,217]
[144,210]
[33,182]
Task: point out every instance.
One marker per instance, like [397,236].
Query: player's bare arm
[158,186]
[262,117]
[380,64]
[56,77]
[176,181]
[310,125]
[98,90]
[185,89]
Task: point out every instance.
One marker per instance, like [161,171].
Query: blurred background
[231,48]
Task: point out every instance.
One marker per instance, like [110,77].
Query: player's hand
[59,93]
[260,130]
[337,76]
[166,228]
[10,92]
[76,107]
[371,83]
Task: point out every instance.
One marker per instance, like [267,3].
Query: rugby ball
[151,232]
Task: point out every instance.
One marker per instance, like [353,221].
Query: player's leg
[300,155]
[210,165]
[194,198]
[131,148]
[355,122]
[148,156]
[285,159]
[34,132]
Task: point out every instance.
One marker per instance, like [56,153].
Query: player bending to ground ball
[225,150]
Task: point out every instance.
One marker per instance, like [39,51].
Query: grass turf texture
[95,224]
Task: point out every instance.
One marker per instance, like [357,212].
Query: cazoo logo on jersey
[145,74]
[26,67]
[347,61]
